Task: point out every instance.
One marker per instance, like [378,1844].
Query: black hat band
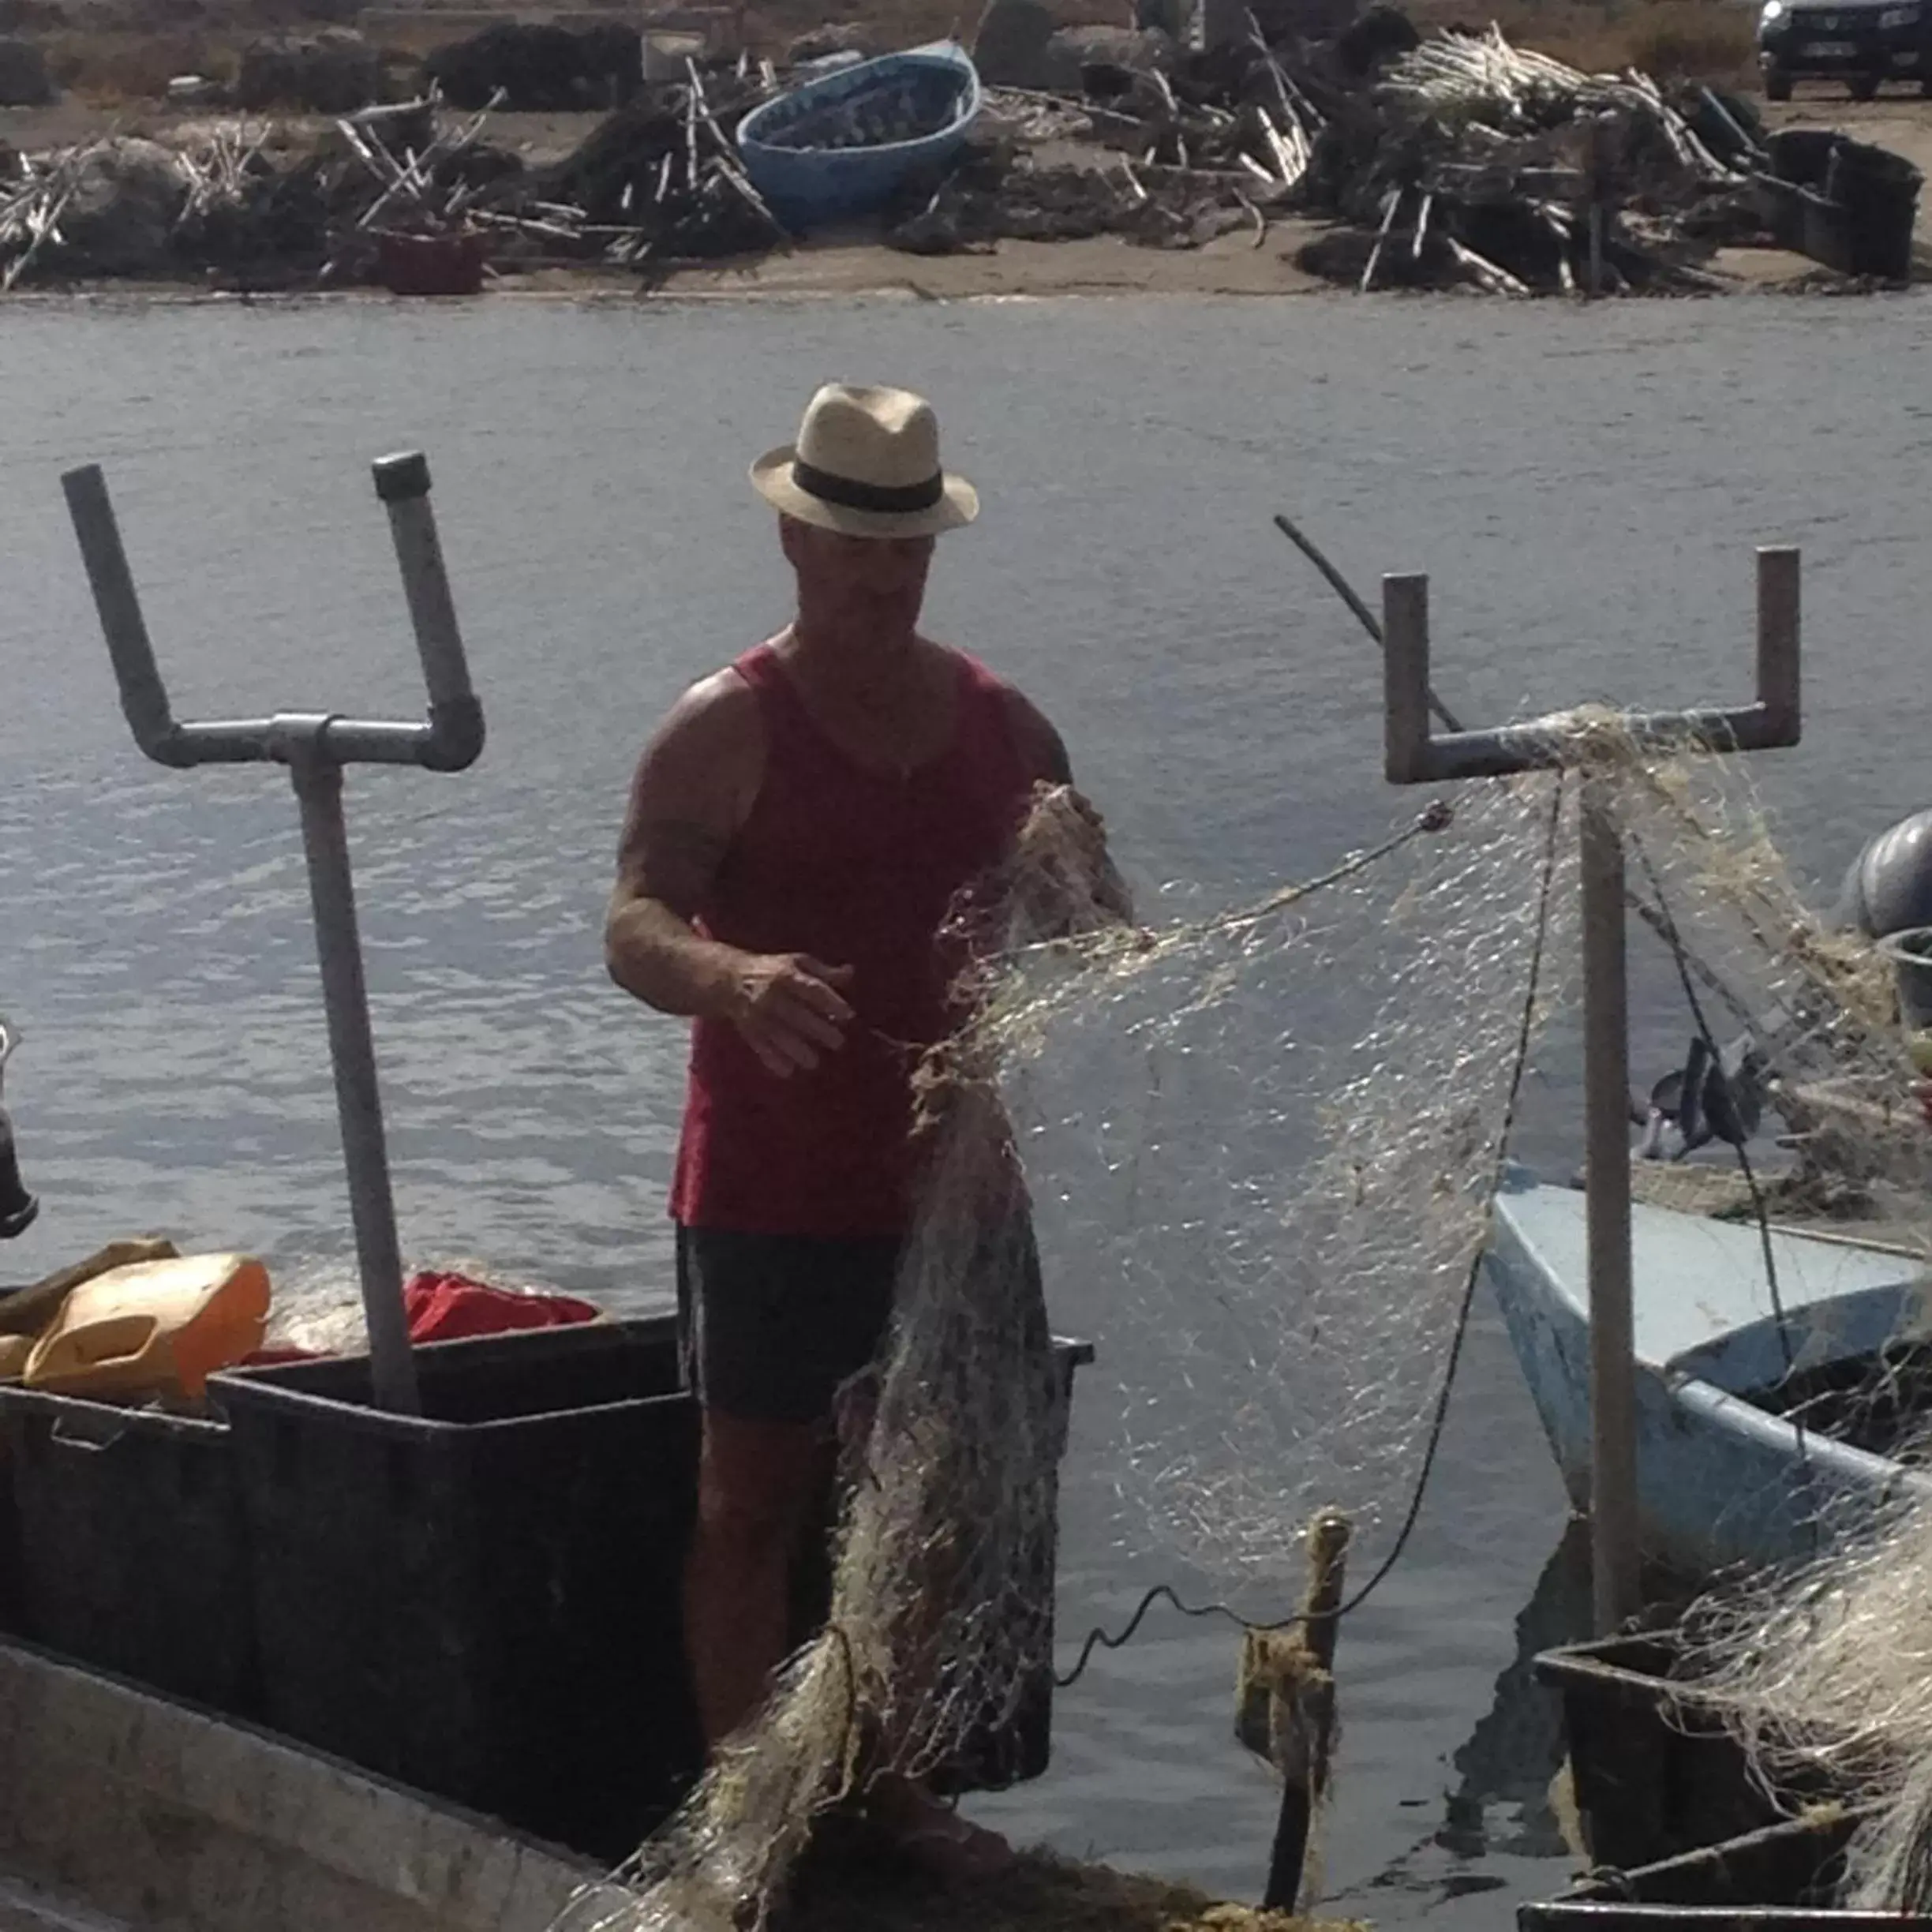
[885,499]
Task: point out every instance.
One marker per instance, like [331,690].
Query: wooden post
[1606,1107]
[1299,1746]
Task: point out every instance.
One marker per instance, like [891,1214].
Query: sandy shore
[1241,263]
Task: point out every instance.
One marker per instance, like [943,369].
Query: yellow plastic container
[154,1328]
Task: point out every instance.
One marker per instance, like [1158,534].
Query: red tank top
[857,868]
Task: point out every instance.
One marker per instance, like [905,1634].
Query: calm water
[1584,490]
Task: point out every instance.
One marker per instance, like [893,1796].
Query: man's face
[871,583]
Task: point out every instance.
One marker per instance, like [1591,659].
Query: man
[798,827]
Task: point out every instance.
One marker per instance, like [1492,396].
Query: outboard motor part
[18,1206]
[1889,886]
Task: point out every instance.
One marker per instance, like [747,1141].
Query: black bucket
[1879,192]
[482,1601]
[485,1602]
[131,1545]
[1802,155]
[1657,1771]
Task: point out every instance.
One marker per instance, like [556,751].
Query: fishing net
[1260,1146]
[1290,1223]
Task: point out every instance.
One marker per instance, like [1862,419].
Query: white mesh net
[1272,1223]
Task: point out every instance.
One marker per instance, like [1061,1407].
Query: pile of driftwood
[1479,162]
[1461,159]
[1458,160]
[1219,143]
[244,203]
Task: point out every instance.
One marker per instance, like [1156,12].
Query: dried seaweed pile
[1458,160]
[121,206]
[1217,145]
[658,179]
[1482,163]
[247,202]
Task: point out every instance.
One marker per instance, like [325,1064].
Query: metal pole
[1405,744]
[318,782]
[1778,605]
[1606,1102]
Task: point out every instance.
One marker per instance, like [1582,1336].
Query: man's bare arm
[694,786]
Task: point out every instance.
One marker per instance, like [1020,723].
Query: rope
[1100,1638]
[1760,1212]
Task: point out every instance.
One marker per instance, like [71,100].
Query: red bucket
[438,264]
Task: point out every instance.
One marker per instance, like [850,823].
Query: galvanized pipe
[454,737]
[1778,605]
[1616,1592]
[315,747]
[1412,756]
[1406,741]
[318,782]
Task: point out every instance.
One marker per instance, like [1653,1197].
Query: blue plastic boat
[1751,1444]
[842,145]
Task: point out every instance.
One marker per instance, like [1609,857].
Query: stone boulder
[334,72]
[1009,46]
[540,67]
[120,219]
[25,81]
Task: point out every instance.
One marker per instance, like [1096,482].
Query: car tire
[1777,85]
[1925,89]
[1864,88]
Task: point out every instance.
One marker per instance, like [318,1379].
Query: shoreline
[856,266]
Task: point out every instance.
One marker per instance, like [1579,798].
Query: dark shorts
[769,1325]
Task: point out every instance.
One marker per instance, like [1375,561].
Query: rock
[334,72]
[1381,33]
[1010,45]
[25,81]
[120,219]
[540,68]
[833,37]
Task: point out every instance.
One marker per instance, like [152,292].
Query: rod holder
[315,746]
[1412,755]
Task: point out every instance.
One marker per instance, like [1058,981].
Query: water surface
[1584,488]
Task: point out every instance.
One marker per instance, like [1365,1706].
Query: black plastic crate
[483,1600]
[1658,1772]
[130,1544]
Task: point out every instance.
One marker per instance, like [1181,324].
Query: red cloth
[857,868]
[445,1308]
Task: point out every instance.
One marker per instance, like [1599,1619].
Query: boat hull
[123,1808]
[809,188]
[1721,1483]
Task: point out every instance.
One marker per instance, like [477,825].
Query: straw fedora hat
[866,463]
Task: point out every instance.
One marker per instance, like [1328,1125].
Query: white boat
[1756,1437]
[127,1809]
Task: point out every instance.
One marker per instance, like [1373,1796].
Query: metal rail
[315,746]
[1412,755]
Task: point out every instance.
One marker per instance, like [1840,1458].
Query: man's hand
[790,1009]
[1095,876]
